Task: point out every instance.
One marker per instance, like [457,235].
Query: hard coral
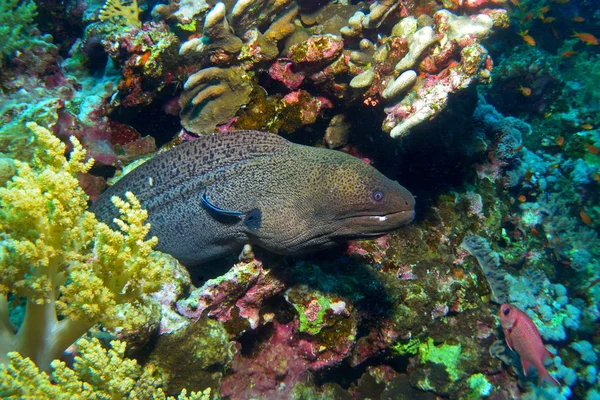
[212,96]
[235,297]
[147,58]
[72,270]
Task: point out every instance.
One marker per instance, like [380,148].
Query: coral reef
[503,158]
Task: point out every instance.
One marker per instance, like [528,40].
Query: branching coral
[16,17]
[72,270]
[97,374]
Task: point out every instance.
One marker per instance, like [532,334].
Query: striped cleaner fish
[209,197]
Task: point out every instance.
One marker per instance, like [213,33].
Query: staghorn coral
[430,99]
[421,58]
[212,96]
[379,10]
[96,374]
[448,76]
[414,70]
[72,270]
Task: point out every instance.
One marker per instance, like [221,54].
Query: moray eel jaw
[365,226]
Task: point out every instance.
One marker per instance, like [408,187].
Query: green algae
[406,347]
[479,385]
[191,27]
[446,354]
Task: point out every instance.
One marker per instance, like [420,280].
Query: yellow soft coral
[72,270]
[97,374]
[114,8]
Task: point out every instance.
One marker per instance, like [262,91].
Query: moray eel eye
[377,195]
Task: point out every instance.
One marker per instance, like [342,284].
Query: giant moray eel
[208,197]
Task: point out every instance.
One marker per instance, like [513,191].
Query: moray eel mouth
[365,226]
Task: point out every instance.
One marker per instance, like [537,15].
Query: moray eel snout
[398,211]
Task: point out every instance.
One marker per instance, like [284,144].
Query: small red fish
[560,140]
[522,336]
[592,149]
[567,54]
[528,39]
[586,219]
[578,19]
[586,38]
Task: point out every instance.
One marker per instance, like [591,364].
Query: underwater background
[488,111]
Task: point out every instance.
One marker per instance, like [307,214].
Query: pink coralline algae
[310,107]
[282,71]
[241,291]
[279,363]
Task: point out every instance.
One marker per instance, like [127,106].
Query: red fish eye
[377,195]
[506,311]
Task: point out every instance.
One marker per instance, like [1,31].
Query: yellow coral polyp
[72,270]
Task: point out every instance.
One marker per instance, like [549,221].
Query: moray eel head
[339,197]
[365,203]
